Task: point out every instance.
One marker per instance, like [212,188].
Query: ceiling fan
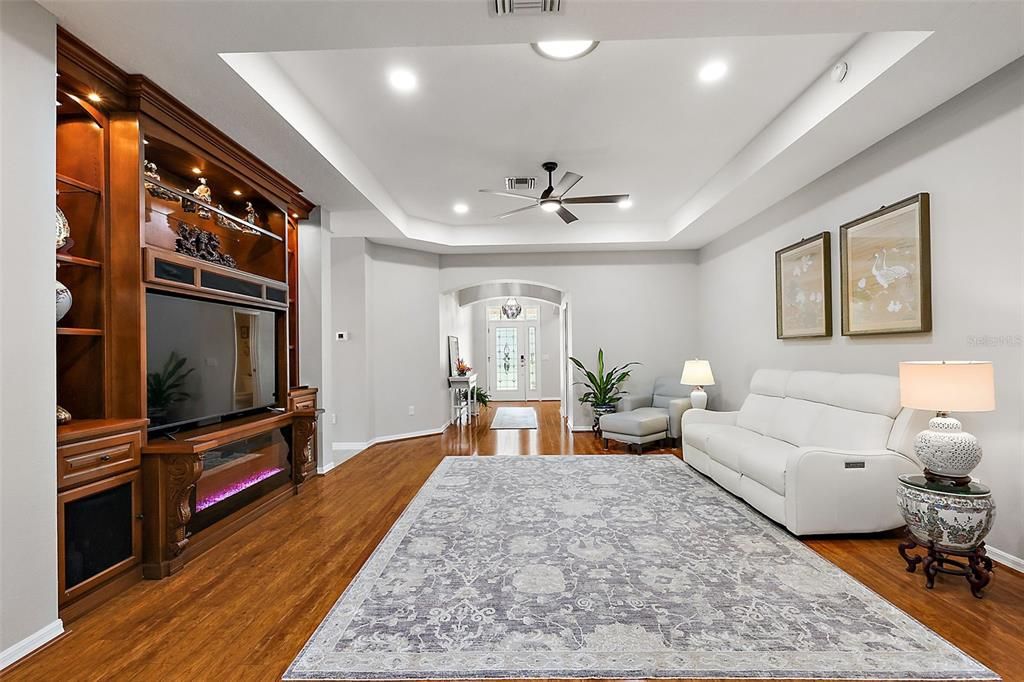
[553,199]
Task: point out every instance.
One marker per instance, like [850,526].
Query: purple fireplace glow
[238,474]
[235,488]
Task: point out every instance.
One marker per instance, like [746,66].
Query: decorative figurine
[63,416]
[250,213]
[236,225]
[199,243]
[63,300]
[203,193]
[63,228]
[150,173]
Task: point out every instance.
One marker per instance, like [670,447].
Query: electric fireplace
[237,474]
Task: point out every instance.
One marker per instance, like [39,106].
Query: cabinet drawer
[305,403]
[91,460]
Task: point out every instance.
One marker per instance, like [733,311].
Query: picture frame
[453,354]
[885,270]
[803,288]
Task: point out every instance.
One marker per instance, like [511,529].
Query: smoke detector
[504,7]
[519,184]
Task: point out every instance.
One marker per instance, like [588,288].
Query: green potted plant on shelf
[603,389]
[166,387]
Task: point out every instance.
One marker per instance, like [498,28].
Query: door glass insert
[506,354]
[532,357]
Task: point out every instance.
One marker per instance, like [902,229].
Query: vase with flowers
[462,368]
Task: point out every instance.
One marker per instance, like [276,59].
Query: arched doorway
[520,350]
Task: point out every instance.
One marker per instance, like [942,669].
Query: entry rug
[608,567]
[515,418]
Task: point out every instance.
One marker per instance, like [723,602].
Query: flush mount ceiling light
[94,97]
[564,50]
[402,80]
[713,71]
[460,208]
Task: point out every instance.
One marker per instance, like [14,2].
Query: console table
[457,406]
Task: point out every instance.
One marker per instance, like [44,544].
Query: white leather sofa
[818,452]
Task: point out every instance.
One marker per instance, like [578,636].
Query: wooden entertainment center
[157,200]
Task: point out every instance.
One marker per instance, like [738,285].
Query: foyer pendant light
[511,309]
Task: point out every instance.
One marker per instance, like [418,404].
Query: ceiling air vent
[504,7]
[519,184]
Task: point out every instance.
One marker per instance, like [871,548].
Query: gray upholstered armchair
[645,419]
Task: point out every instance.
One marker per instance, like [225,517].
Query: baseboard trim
[356,448]
[37,639]
[350,446]
[1005,558]
[327,466]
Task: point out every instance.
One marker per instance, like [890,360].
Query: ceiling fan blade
[566,216]
[600,199]
[566,183]
[518,210]
[514,195]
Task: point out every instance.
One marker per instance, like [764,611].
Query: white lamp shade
[948,386]
[697,373]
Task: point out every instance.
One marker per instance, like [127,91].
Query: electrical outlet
[412,410]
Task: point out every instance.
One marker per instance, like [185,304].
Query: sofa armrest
[632,402]
[829,490]
[699,416]
[676,409]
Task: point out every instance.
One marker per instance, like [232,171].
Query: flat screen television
[206,361]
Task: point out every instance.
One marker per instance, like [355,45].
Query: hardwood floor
[244,609]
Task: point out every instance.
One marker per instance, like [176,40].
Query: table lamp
[946,450]
[698,373]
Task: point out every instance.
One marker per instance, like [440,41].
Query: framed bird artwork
[885,266]
[803,289]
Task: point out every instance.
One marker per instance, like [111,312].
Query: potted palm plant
[603,389]
[482,397]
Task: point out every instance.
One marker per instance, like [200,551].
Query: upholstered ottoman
[636,427]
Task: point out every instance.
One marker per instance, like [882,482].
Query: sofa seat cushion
[725,445]
[644,421]
[698,435]
[766,463]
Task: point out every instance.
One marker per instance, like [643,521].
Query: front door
[512,359]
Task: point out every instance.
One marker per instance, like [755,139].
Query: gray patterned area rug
[515,418]
[612,567]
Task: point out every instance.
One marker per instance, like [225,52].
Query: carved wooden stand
[173,467]
[977,569]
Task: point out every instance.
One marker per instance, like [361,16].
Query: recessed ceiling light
[563,50]
[460,208]
[713,71]
[626,203]
[94,97]
[237,193]
[295,215]
[197,170]
[402,80]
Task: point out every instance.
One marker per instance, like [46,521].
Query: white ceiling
[631,117]
[302,84]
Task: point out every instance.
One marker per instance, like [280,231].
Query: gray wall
[636,305]
[968,155]
[405,335]
[28,504]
